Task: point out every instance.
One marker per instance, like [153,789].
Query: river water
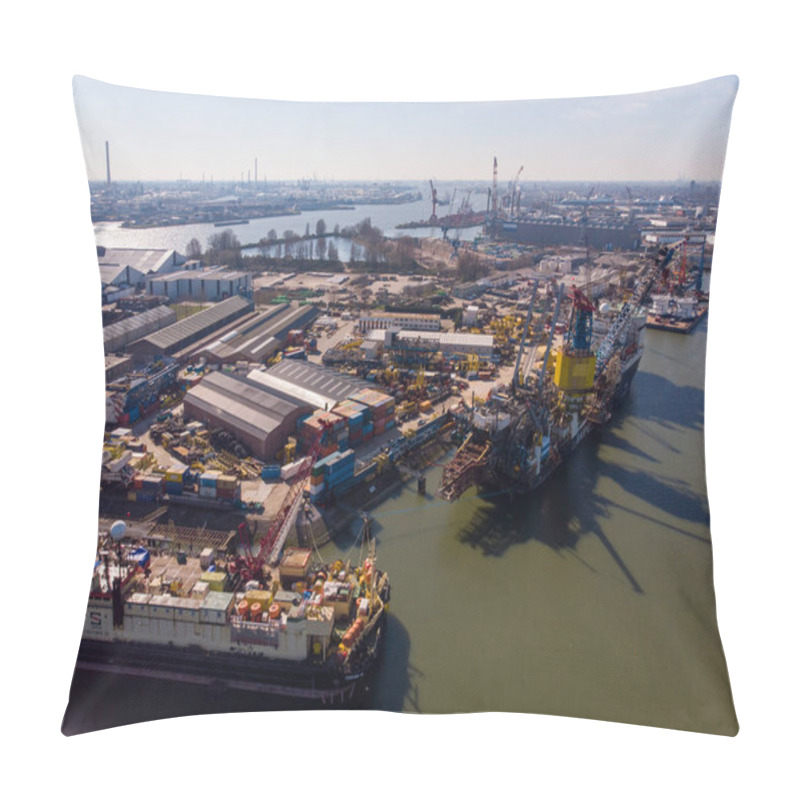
[592,597]
[385,217]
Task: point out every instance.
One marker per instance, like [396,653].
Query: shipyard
[325,395]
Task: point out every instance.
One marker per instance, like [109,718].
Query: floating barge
[300,629]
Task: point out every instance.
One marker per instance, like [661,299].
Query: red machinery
[250,566]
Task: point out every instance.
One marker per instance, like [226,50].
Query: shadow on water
[657,399]
[101,700]
[568,506]
[396,687]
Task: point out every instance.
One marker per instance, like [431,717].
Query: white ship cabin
[182,604]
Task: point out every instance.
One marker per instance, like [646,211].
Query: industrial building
[308,383]
[260,418]
[258,339]
[142,260]
[449,344]
[412,322]
[553,232]
[263,409]
[216,283]
[119,335]
[177,337]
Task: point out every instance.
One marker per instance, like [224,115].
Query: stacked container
[332,474]
[381,407]
[152,488]
[208,484]
[356,415]
[228,488]
[174,479]
[311,429]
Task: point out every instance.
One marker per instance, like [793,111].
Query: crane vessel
[278,621]
[520,435]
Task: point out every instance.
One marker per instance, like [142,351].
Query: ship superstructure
[525,430]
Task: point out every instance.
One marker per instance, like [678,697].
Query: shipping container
[271,472]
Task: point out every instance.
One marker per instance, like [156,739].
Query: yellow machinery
[574,373]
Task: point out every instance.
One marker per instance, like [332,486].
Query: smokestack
[108,167]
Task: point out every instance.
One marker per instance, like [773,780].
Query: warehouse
[145,261]
[412,322]
[177,337]
[479,344]
[118,336]
[260,418]
[310,384]
[260,338]
[216,283]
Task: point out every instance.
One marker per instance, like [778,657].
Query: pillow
[404,407]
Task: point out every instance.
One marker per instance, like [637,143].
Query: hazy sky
[663,135]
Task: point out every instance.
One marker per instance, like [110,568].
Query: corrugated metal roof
[137,322]
[255,338]
[145,260]
[199,322]
[327,383]
[239,404]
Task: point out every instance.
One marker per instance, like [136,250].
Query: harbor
[611,553]
[457,381]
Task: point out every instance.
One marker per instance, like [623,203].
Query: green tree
[321,227]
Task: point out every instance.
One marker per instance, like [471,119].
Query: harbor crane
[631,306]
[250,566]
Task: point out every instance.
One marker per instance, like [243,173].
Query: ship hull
[491,480]
[315,683]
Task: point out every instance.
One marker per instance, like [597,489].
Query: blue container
[271,472]
[173,487]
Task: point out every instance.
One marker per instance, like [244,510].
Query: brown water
[592,597]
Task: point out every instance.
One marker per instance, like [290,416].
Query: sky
[671,134]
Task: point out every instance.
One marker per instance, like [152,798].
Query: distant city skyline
[667,135]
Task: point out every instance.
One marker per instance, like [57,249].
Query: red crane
[250,566]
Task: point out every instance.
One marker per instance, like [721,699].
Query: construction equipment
[631,306]
[250,566]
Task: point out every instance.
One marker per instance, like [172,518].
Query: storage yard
[323,385]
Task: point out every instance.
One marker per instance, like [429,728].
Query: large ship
[297,629]
[522,432]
